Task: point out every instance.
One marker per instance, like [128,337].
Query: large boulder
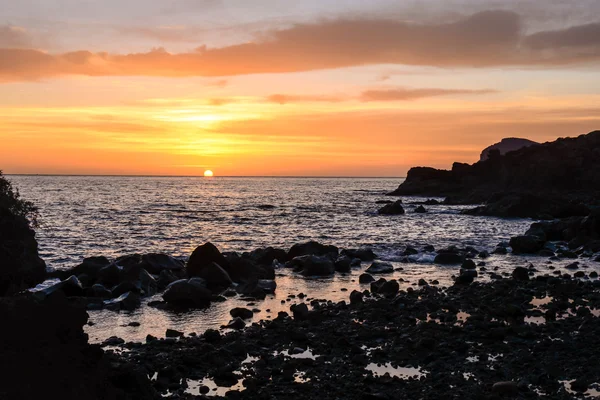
[448,258]
[526,244]
[70,287]
[392,209]
[380,267]
[203,257]
[314,249]
[245,269]
[266,256]
[127,301]
[215,276]
[156,263]
[310,265]
[364,254]
[20,264]
[188,293]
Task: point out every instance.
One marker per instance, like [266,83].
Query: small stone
[508,388]
[520,274]
[365,278]
[300,311]
[356,297]
[113,341]
[240,312]
[172,333]
[236,323]
[212,335]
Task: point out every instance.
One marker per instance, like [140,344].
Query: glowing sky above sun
[337,88]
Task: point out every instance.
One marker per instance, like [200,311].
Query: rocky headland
[552,180]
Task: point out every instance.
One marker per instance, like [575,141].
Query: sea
[83,216]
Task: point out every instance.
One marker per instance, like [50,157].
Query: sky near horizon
[266,87]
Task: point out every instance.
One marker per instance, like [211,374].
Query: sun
[208,173]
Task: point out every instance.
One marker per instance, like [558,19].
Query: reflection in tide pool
[396,372]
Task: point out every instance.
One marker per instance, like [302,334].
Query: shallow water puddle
[538,302]
[300,377]
[535,320]
[214,390]
[593,390]
[305,354]
[462,316]
[397,372]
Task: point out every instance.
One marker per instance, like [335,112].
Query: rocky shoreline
[469,341]
[472,339]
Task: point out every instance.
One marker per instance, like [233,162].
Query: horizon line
[202,176]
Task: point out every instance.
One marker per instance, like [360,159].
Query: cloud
[402,94]
[14,37]
[486,39]
[289,98]
[574,37]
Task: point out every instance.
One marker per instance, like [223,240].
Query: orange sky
[348,95]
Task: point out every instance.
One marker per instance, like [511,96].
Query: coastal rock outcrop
[555,179]
[504,146]
[46,355]
[392,209]
[20,265]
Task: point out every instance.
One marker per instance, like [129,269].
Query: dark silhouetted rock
[557,179]
[392,209]
[236,323]
[380,267]
[506,145]
[365,278]
[343,264]
[46,340]
[389,288]
[300,311]
[310,265]
[468,264]
[241,312]
[420,210]
[520,274]
[448,258]
[508,388]
[188,293]
[70,287]
[215,276]
[156,263]
[172,333]
[526,244]
[127,301]
[356,297]
[203,257]
[314,249]
[364,254]
[20,265]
